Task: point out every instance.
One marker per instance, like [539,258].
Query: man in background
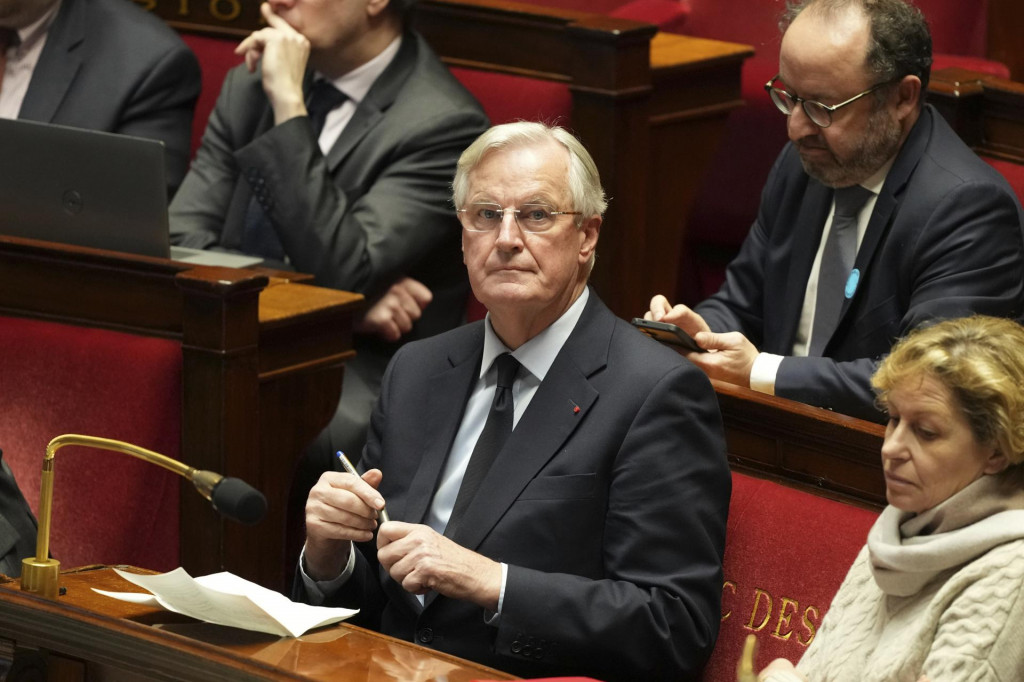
[876,218]
[556,481]
[17,524]
[330,152]
[104,65]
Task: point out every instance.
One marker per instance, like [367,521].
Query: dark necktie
[260,238]
[8,39]
[836,264]
[496,430]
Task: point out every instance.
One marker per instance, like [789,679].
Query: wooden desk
[87,636]
[262,364]
[811,447]
[987,112]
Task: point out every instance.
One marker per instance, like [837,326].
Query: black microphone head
[237,500]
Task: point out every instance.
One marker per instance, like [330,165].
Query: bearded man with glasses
[875,219]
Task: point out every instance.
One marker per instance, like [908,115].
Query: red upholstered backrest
[508,98]
[216,57]
[1013,172]
[56,379]
[786,552]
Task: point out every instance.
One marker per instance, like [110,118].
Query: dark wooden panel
[262,361]
[810,447]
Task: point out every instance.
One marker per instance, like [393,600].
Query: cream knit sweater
[940,593]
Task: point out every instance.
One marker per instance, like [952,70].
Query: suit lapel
[58,64]
[546,425]
[806,239]
[457,380]
[885,206]
[380,97]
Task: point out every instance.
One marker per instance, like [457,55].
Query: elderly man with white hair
[556,482]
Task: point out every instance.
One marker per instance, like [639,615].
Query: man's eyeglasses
[530,217]
[820,114]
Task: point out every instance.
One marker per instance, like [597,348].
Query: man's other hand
[679,315]
[421,559]
[394,314]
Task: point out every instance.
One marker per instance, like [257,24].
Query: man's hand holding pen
[342,508]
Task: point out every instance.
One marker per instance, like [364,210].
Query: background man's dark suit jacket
[611,519]
[945,240]
[109,65]
[376,209]
[17,524]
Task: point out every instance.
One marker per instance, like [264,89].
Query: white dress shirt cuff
[764,371]
[319,590]
[493,618]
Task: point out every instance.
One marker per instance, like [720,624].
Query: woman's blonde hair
[980,360]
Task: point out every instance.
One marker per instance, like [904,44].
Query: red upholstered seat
[786,553]
[1013,172]
[216,57]
[54,379]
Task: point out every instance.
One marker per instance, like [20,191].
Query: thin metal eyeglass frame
[515,216]
[826,108]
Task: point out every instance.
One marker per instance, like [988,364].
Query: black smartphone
[667,333]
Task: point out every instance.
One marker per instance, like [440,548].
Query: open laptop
[90,188]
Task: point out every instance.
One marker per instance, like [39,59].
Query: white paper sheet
[226,599]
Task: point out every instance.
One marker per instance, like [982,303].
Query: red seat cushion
[216,57]
[1013,172]
[108,507]
[786,553]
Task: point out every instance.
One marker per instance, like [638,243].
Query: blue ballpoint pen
[384,518]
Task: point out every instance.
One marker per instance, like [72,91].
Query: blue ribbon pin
[851,283]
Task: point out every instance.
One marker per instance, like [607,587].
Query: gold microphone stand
[40,574]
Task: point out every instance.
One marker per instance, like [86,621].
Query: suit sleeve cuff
[318,591]
[764,371]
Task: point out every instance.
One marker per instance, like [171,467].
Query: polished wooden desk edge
[798,409]
[131,623]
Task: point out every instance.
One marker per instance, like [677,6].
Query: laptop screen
[83,187]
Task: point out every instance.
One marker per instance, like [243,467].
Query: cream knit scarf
[908,550]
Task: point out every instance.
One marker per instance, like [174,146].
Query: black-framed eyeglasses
[531,217]
[820,114]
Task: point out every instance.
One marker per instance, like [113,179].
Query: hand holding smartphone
[667,333]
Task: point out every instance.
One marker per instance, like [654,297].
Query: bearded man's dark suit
[944,240]
[377,208]
[109,65]
[611,517]
[17,524]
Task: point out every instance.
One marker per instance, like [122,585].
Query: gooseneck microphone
[232,497]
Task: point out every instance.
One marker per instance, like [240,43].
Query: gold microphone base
[40,577]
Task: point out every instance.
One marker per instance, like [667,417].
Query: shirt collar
[32,33]
[875,182]
[538,354]
[357,82]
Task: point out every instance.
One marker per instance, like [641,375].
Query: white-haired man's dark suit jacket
[611,517]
